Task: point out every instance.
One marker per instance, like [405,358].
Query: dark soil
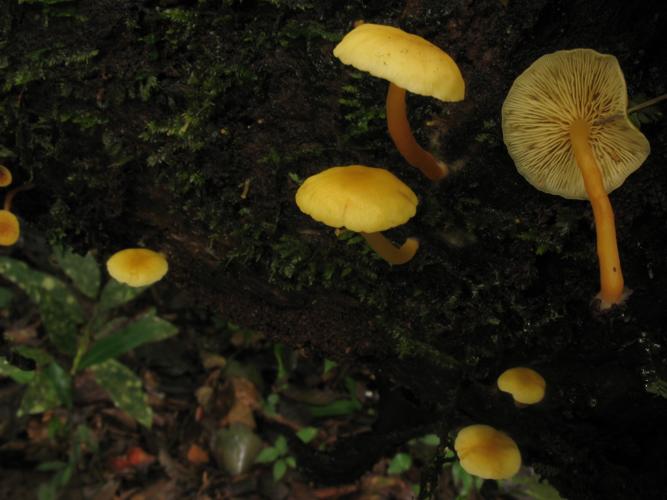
[143,123]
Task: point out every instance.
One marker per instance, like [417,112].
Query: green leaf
[290,461]
[235,449]
[61,383]
[279,354]
[267,455]
[329,365]
[18,375]
[533,487]
[400,463]
[279,469]
[148,328]
[307,434]
[270,405]
[335,409]
[59,309]
[280,445]
[658,387]
[6,296]
[40,395]
[116,294]
[39,356]
[51,466]
[82,270]
[430,440]
[124,388]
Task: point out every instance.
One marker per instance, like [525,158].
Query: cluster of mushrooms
[565,125]
[564,122]
[135,267]
[487,452]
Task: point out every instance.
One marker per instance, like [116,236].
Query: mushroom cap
[9,228]
[137,266]
[524,384]
[543,102]
[404,59]
[5,176]
[361,199]
[487,453]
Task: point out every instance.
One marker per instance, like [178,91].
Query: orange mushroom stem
[9,197]
[401,134]
[611,276]
[386,249]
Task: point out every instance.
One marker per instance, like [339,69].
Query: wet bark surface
[187,126]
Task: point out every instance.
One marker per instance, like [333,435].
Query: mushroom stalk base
[401,134]
[611,276]
[386,249]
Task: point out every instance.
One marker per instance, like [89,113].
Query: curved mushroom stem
[611,276]
[399,130]
[9,197]
[386,249]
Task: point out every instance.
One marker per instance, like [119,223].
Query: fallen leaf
[197,455]
[137,457]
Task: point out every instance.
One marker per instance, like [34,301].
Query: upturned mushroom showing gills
[565,126]
[487,453]
[363,199]
[411,63]
[137,266]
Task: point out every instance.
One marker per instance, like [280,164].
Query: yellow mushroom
[487,453]
[411,63]
[524,384]
[137,266]
[9,228]
[565,125]
[5,176]
[363,199]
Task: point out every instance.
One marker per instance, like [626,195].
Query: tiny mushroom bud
[524,384]
[487,453]
[137,266]
[5,176]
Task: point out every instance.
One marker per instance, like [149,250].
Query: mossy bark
[186,126]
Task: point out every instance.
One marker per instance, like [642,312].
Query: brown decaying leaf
[197,455]
[376,487]
[246,400]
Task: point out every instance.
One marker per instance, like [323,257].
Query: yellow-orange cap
[524,384]
[404,59]
[487,453]
[359,198]
[137,266]
[9,228]
[5,176]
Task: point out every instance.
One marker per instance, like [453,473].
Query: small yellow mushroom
[5,176]
[137,266]
[9,228]
[363,199]
[524,384]
[487,453]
